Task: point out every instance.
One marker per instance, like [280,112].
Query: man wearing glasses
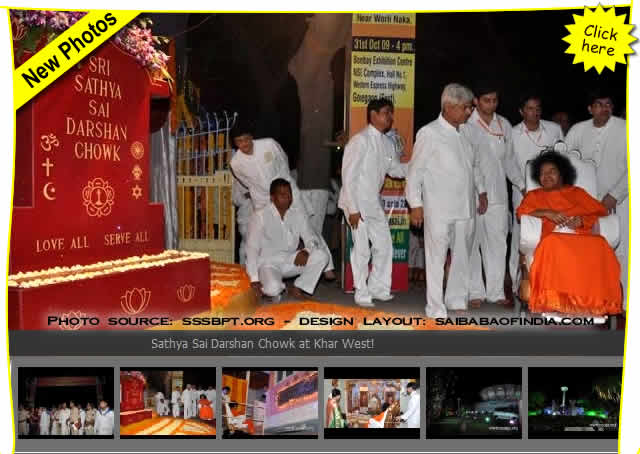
[603,138]
[443,184]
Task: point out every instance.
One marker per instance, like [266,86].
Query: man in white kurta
[83,420]
[491,136]
[186,402]
[195,397]
[159,398]
[368,157]
[64,416]
[412,415]
[256,164]
[275,232]
[175,402]
[104,420]
[604,139]
[244,209]
[443,184]
[45,421]
[530,137]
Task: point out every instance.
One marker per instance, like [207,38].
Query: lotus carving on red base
[135,301]
[186,293]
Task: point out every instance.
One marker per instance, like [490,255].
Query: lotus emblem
[186,292]
[135,301]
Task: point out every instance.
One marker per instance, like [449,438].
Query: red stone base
[174,290]
[129,417]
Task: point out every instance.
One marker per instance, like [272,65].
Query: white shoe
[387,297]
[363,299]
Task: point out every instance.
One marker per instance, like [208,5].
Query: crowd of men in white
[187,399]
[63,420]
[456,188]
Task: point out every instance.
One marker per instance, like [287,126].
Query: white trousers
[314,205]
[272,273]
[175,408]
[439,236]
[491,238]
[243,216]
[622,251]
[316,201]
[187,410]
[64,428]
[88,430]
[194,409]
[44,430]
[374,229]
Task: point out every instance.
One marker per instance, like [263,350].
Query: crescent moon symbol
[45,191]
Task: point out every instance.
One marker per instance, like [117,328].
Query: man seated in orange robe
[574,270]
[205,412]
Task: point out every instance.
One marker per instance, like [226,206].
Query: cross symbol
[47,165]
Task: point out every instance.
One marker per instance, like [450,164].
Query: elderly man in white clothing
[272,247]
[530,137]
[104,419]
[175,402]
[443,184]
[412,415]
[256,164]
[490,135]
[186,402]
[368,157]
[604,139]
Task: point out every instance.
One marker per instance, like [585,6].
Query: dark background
[230,56]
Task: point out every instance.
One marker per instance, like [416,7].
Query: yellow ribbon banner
[60,55]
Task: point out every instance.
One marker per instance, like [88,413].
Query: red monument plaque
[81,197]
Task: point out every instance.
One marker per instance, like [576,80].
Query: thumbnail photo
[370,402]
[166,403]
[270,403]
[65,402]
[574,402]
[474,402]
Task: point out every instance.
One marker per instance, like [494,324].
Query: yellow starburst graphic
[599,39]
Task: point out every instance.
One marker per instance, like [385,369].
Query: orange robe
[572,273]
[206,412]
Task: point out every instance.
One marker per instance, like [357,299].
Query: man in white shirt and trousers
[443,184]
[186,402]
[412,415]
[45,421]
[104,419]
[530,137]
[491,136]
[64,416]
[603,138]
[272,247]
[256,164]
[175,402]
[368,157]
[195,397]
[159,398]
